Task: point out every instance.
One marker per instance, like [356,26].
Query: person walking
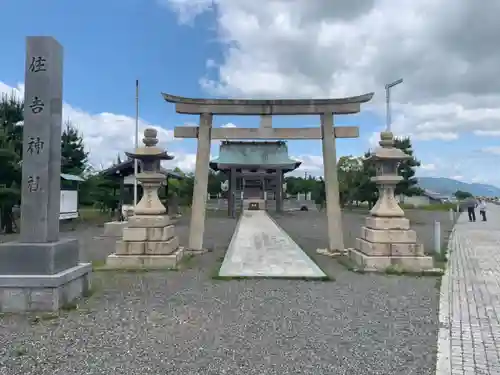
[471,205]
[482,209]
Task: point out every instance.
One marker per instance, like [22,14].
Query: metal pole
[136,138]
[388,102]
[437,237]
[388,108]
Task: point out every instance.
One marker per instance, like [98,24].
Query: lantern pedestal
[149,240]
[386,238]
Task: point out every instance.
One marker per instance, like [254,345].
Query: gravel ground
[186,323]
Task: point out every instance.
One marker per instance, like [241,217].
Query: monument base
[120,261]
[381,263]
[37,293]
[389,241]
[46,258]
[114,228]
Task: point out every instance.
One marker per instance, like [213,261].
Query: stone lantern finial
[150,137]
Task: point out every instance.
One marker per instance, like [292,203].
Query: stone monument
[386,239]
[149,240]
[41,272]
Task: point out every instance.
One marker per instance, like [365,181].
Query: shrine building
[255,172]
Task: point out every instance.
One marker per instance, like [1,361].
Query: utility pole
[388,102]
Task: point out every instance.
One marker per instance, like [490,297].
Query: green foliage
[74,158]
[11,114]
[406,169]
[350,176]
[214,181]
[367,190]
[461,195]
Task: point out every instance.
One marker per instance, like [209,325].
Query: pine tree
[74,159]
[406,169]
[11,117]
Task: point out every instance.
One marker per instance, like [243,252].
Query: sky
[446,51]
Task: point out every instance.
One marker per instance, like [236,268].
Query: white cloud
[495,150]
[311,164]
[228,125]
[428,167]
[106,134]
[325,48]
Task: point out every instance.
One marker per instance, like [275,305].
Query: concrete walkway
[469,334]
[260,248]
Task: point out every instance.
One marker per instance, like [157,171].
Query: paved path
[259,247]
[469,334]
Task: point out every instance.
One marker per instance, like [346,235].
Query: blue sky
[109,44]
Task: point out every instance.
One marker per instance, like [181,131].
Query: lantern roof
[387,151]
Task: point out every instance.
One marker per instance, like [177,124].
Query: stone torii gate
[325,108]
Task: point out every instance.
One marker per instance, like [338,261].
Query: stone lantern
[149,239]
[386,239]
[386,159]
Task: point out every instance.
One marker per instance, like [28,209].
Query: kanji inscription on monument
[36,105]
[37,64]
[35,145]
[42,141]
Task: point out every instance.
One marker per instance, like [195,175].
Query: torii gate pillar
[198,206]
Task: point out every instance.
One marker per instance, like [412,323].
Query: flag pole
[136,138]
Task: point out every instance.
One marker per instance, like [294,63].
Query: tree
[11,116]
[461,195]
[406,169]
[367,189]
[74,159]
[214,181]
[349,170]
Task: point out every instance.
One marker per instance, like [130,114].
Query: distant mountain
[448,186]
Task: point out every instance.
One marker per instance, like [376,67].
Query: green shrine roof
[268,155]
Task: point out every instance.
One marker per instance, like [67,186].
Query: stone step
[260,248]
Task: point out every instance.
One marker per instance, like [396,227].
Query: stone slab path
[260,248]
[469,334]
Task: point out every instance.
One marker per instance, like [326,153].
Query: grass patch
[70,306]
[89,293]
[441,258]
[96,264]
[215,275]
[439,281]
[44,317]
[430,207]
[133,269]
[93,215]
[299,278]
[344,260]
[100,266]
[216,269]
[187,262]
[391,270]
[395,269]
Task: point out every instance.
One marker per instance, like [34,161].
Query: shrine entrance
[255,174]
[325,108]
